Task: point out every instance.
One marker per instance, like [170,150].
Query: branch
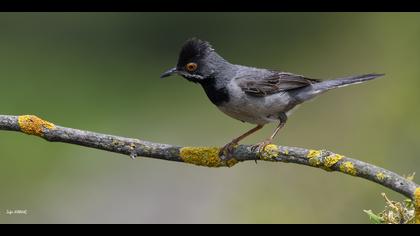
[208,156]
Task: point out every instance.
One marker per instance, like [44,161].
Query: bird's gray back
[252,109]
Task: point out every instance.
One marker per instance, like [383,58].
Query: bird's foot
[259,147]
[226,152]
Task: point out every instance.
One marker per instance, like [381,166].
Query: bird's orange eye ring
[191,66]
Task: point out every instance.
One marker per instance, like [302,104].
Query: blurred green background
[100,72]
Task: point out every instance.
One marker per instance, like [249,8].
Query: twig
[208,156]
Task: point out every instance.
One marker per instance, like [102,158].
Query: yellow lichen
[270,152]
[34,125]
[314,161]
[314,153]
[314,157]
[348,167]
[332,159]
[417,204]
[204,156]
[380,176]
[231,162]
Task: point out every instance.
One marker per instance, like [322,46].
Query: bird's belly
[257,110]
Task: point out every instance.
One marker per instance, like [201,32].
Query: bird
[253,95]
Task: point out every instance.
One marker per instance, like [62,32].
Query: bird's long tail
[315,89]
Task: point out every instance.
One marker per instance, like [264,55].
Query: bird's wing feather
[276,82]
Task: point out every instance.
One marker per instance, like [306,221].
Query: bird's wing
[274,83]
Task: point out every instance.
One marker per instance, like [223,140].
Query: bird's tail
[317,88]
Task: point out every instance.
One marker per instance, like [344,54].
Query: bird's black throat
[216,95]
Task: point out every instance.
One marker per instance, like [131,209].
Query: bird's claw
[259,147]
[226,152]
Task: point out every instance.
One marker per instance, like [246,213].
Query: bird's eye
[191,66]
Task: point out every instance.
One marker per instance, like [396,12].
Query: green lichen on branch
[348,167]
[270,153]
[323,159]
[204,156]
[332,160]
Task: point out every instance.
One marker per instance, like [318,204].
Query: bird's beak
[168,72]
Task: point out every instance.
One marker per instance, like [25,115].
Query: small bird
[249,94]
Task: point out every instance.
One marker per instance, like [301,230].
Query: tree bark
[209,156]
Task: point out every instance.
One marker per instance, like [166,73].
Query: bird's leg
[226,151]
[260,146]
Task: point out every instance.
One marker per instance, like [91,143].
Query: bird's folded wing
[274,83]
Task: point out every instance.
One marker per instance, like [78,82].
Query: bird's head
[197,61]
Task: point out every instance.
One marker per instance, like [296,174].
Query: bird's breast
[255,110]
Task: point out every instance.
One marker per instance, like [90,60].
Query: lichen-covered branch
[209,156]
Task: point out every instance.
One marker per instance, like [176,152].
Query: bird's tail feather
[341,82]
[323,86]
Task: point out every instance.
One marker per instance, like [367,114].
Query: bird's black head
[197,61]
